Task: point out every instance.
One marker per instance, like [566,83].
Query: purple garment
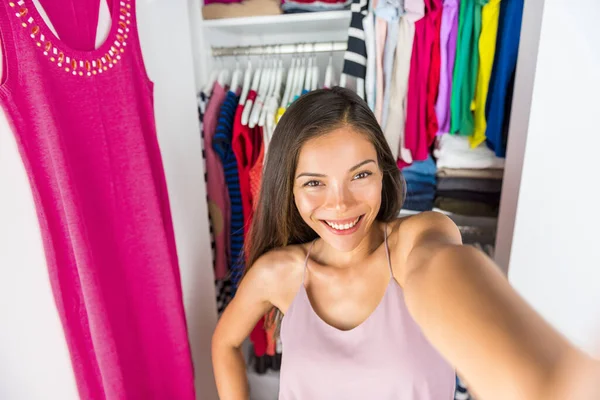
[448,33]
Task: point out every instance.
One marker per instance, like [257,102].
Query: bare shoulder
[279,274]
[423,229]
[412,228]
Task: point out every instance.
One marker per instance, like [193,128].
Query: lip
[344,232]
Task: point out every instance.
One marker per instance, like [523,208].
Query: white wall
[34,362]
[555,259]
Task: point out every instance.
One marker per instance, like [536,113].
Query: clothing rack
[296,48]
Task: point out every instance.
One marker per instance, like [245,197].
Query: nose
[340,199]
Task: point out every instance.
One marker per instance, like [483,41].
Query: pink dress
[84,123]
[385,357]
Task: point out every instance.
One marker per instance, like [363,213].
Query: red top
[421,120]
[244,144]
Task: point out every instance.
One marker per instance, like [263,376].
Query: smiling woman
[375,306]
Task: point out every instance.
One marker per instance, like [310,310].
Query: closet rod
[321,47]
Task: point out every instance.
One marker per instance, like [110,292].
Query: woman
[374,307]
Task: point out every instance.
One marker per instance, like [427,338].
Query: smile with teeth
[342,227]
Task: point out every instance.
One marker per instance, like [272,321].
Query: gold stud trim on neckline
[78,67]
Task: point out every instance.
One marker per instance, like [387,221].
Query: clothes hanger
[246,83]
[360,87]
[329,70]
[208,87]
[274,92]
[300,81]
[223,77]
[260,99]
[297,79]
[315,74]
[308,77]
[235,78]
[289,83]
[269,95]
[254,87]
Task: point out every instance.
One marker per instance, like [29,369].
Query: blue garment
[419,188]
[418,204]
[222,146]
[499,98]
[425,167]
[389,10]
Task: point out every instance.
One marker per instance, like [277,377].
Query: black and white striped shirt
[355,58]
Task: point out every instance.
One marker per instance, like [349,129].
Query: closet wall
[554,260]
[34,362]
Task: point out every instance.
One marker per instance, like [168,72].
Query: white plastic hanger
[235,78]
[249,103]
[246,83]
[273,95]
[223,77]
[315,75]
[308,77]
[260,99]
[208,87]
[288,84]
[300,81]
[296,81]
[329,70]
[343,79]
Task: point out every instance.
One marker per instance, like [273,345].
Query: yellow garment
[487,48]
[280,112]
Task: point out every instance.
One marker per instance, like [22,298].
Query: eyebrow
[357,166]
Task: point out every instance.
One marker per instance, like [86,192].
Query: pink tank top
[83,119]
[386,357]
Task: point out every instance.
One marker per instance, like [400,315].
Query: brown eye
[362,175]
[312,184]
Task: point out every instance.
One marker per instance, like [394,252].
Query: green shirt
[465,67]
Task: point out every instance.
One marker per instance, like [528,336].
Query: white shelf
[283,19]
[278,29]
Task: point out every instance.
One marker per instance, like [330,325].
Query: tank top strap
[306,261]
[387,251]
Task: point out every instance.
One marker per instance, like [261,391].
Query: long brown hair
[277,222]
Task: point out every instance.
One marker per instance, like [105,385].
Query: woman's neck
[333,257]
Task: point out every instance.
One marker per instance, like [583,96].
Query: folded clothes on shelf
[294,6]
[490,173]
[470,184]
[246,8]
[455,152]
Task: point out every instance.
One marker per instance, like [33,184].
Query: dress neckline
[84,63]
[39,21]
[371,315]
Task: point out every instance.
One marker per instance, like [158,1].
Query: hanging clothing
[84,122]
[433,80]
[380,35]
[218,198]
[242,143]
[467,64]
[487,48]
[394,129]
[385,357]
[421,121]
[355,57]
[222,143]
[370,46]
[448,32]
[390,10]
[499,99]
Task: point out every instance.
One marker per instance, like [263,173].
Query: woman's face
[337,187]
